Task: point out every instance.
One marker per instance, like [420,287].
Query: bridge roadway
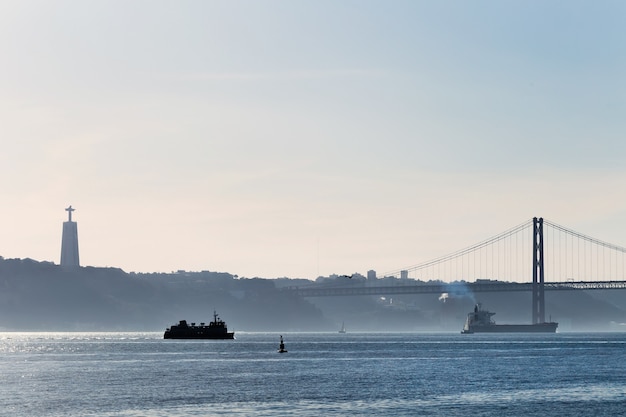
[457,288]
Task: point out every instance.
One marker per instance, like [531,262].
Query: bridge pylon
[539,302]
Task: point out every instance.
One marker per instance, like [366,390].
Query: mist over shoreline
[42,296]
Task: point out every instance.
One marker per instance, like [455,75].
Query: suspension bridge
[537,256]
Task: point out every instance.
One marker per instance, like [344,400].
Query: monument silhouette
[69,242]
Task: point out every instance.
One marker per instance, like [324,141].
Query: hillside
[41,296]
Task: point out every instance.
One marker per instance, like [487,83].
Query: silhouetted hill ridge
[43,296]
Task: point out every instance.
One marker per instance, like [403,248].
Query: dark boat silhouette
[215,330]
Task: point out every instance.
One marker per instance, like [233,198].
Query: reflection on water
[140,374]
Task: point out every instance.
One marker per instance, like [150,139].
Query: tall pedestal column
[69,242]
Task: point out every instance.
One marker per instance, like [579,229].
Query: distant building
[69,242]
[371,275]
[404,274]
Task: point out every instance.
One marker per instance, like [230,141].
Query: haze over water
[396,374]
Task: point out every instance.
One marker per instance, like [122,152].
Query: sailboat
[343,328]
[281,347]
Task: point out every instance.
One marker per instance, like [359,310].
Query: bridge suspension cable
[584,237]
[574,256]
[526,226]
[507,256]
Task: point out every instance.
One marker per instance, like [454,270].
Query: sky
[299,139]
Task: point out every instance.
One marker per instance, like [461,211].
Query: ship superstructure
[214,330]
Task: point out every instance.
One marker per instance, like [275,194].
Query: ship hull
[512,328]
[198,335]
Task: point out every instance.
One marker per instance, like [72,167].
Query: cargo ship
[215,330]
[480,321]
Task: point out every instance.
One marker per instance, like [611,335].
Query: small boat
[343,328]
[281,347]
[215,330]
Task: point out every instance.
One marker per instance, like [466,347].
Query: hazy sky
[304,138]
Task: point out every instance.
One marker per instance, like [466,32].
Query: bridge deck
[452,288]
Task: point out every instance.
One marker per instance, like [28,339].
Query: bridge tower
[539,303]
[69,242]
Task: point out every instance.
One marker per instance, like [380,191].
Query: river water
[362,374]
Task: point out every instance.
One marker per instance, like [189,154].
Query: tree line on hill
[42,296]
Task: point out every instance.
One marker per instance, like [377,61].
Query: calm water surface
[400,374]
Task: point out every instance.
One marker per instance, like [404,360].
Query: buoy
[281,347]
